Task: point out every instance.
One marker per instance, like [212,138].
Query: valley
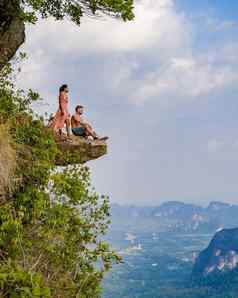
[159,252]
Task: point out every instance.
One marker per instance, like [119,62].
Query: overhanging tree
[15,13]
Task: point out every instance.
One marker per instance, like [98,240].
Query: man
[80,127]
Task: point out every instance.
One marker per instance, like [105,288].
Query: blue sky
[221,8]
[163,87]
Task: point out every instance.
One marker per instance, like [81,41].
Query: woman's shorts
[79,131]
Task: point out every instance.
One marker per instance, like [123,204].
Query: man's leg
[90,131]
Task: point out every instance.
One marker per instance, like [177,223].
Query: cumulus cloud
[121,50]
[152,57]
[157,24]
[159,32]
[186,78]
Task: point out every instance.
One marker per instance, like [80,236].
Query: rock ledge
[79,151]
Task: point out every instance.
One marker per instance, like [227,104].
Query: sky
[163,87]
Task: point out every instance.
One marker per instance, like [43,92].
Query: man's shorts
[79,131]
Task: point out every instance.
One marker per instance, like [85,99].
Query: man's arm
[72,122]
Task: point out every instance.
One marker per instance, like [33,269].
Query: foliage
[74,10]
[51,224]
[16,282]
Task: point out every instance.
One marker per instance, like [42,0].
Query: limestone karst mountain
[178,216]
[220,257]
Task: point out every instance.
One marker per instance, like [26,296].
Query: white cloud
[150,58]
[191,76]
[215,145]
[157,33]
[186,77]
[156,24]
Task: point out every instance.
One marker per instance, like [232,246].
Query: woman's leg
[68,127]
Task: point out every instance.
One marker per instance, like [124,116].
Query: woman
[62,116]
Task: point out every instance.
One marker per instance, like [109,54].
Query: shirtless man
[80,127]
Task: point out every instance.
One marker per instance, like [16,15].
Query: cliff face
[12,30]
[7,162]
[221,256]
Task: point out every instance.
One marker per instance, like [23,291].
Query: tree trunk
[12,30]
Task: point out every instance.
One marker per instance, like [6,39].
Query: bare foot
[69,139]
[103,138]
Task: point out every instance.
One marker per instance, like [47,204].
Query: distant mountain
[178,209]
[218,263]
[178,216]
[218,206]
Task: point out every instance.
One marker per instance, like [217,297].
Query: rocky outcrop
[7,162]
[13,156]
[12,30]
[221,256]
[79,151]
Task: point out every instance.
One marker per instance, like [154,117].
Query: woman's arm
[60,102]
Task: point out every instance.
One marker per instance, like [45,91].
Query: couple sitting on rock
[80,127]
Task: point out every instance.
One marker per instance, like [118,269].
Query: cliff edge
[80,150]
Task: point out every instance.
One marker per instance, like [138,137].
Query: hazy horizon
[202,204]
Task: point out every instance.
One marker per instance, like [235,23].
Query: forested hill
[219,261]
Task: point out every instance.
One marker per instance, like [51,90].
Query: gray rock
[79,151]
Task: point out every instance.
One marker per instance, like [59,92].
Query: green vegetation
[51,220]
[74,10]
